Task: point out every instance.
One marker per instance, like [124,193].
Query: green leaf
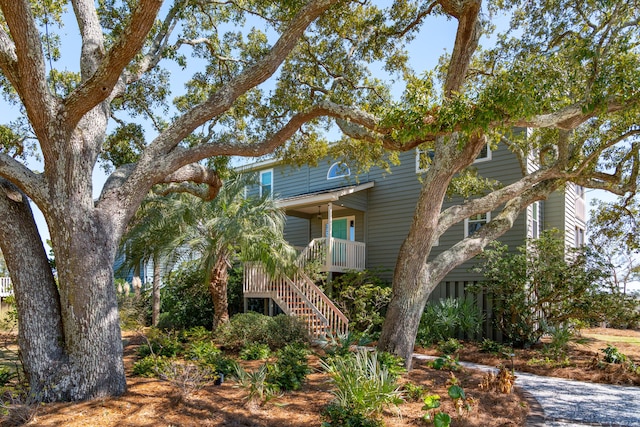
[456,392]
[431,402]
[442,419]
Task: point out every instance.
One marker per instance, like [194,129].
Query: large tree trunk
[40,334]
[155,294]
[85,250]
[218,289]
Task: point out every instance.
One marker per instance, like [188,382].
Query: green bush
[255,351]
[363,297]
[394,364]
[161,343]
[150,366]
[203,351]
[613,355]
[335,415]
[6,375]
[291,368]
[185,298]
[539,287]
[450,346]
[276,332]
[448,318]
[363,386]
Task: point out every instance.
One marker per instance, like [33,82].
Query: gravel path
[568,403]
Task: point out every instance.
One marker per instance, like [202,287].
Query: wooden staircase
[297,296]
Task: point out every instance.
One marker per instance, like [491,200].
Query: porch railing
[343,255]
[5,287]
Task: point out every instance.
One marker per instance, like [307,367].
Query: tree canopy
[262,76]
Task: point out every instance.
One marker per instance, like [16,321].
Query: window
[338,170]
[535,220]
[485,155]
[579,237]
[424,159]
[580,191]
[266,183]
[474,223]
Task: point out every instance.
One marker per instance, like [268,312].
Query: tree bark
[40,334]
[218,289]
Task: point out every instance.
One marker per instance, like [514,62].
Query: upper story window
[579,191]
[475,223]
[535,220]
[338,170]
[485,155]
[579,236]
[266,183]
[424,159]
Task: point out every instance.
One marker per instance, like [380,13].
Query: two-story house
[368,217]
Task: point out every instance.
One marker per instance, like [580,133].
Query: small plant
[290,369]
[6,375]
[502,382]
[393,363]
[150,366]
[160,344]
[414,392]
[613,355]
[335,415]
[461,401]
[259,390]
[450,346]
[493,347]
[431,403]
[255,351]
[186,378]
[446,363]
[560,338]
[19,407]
[202,351]
[362,384]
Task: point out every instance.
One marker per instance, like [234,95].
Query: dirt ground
[152,402]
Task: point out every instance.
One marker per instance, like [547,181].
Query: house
[369,215]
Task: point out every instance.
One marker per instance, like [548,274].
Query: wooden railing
[5,287]
[344,254]
[297,296]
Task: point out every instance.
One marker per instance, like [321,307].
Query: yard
[153,402]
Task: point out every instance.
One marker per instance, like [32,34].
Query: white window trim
[418,152]
[535,208]
[260,183]
[336,164]
[466,224]
[484,159]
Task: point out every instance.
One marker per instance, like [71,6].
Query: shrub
[613,355]
[150,366]
[538,287]
[290,369]
[362,385]
[450,346]
[394,364]
[203,351]
[160,343]
[447,318]
[339,416]
[363,297]
[255,351]
[185,299]
[276,332]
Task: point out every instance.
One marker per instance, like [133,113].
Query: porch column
[329,236]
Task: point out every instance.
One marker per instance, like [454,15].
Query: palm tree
[151,235]
[234,227]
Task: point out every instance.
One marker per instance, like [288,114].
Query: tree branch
[30,183]
[28,75]
[218,102]
[466,249]
[100,84]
